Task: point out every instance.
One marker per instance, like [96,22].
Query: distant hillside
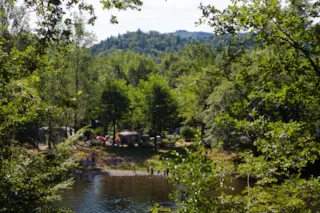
[153,43]
[193,35]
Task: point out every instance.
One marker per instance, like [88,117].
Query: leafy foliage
[114,103]
[187,132]
[154,43]
[30,182]
[261,102]
[262,105]
[154,104]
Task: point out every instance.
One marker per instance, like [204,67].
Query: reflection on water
[116,194]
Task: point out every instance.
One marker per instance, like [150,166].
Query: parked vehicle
[129,138]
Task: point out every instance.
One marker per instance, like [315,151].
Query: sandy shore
[115,173]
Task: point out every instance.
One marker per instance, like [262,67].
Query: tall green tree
[197,83]
[269,100]
[129,66]
[114,103]
[155,103]
[31,182]
[80,60]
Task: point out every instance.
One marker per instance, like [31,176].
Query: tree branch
[296,45]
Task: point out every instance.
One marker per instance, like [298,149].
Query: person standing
[151,171]
[87,162]
[148,171]
[81,162]
[93,157]
[134,168]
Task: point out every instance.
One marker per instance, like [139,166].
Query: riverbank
[123,159]
[116,173]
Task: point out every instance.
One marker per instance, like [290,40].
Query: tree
[195,85]
[156,44]
[268,99]
[138,67]
[129,66]
[52,13]
[80,62]
[114,103]
[154,102]
[30,182]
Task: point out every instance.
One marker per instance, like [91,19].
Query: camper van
[130,138]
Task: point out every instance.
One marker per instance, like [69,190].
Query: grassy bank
[124,158]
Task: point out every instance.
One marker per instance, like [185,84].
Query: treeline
[154,43]
[261,103]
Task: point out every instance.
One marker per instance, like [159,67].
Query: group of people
[151,171]
[87,162]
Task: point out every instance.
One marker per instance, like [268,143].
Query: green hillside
[153,43]
[193,35]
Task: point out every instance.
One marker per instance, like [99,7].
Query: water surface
[115,194]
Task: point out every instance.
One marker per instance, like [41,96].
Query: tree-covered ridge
[194,35]
[261,103]
[154,43]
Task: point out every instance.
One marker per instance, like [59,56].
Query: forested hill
[192,35]
[153,43]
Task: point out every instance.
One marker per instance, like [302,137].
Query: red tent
[101,138]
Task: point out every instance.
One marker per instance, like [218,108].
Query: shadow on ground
[124,158]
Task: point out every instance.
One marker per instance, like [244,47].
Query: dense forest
[259,101]
[155,44]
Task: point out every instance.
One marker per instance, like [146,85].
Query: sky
[159,15]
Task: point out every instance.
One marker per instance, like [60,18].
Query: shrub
[165,140]
[98,131]
[187,132]
[180,140]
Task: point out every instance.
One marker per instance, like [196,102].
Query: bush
[176,137]
[180,140]
[98,131]
[165,140]
[95,142]
[187,132]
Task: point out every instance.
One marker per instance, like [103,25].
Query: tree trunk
[51,135]
[155,134]
[202,130]
[203,126]
[114,132]
[77,90]
[105,128]
[75,120]
[155,143]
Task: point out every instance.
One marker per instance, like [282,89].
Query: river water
[115,194]
[124,194]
